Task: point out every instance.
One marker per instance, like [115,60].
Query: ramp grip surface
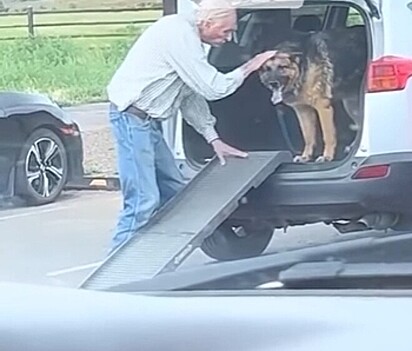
[182,224]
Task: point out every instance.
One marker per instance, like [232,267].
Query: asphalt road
[58,243]
[90,117]
[61,243]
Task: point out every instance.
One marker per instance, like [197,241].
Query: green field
[69,70]
[53,5]
[79,22]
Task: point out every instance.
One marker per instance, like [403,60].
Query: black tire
[226,245]
[44,156]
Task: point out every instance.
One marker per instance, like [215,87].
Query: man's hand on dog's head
[257,61]
[222,150]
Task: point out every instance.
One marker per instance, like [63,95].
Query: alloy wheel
[44,167]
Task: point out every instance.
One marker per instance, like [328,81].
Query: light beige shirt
[167,70]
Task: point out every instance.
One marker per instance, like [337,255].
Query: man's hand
[222,150]
[256,62]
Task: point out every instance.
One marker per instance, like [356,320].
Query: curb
[108,183]
[105,182]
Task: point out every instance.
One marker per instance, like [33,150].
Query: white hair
[213,9]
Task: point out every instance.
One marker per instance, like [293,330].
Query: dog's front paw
[324,158]
[301,159]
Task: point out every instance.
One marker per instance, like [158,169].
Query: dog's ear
[297,57]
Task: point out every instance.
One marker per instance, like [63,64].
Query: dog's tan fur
[311,101]
[309,80]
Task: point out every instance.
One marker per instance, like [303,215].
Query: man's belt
[137,112]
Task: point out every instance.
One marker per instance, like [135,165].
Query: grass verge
[70,71]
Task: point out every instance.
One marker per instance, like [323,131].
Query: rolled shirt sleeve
[196,112]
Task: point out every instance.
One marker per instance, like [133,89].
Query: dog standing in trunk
[309,73]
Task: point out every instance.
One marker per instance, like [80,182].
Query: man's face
[217,32]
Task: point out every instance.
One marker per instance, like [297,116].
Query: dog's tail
[318,52]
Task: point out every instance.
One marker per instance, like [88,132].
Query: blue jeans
[147,170]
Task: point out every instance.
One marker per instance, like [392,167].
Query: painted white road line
[73,269]
[84,200]
[31,213]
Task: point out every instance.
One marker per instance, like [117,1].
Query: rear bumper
[309,197]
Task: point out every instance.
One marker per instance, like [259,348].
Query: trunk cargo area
[248,119]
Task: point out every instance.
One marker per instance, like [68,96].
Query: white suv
[368,185]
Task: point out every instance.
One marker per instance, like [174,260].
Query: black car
[40,148]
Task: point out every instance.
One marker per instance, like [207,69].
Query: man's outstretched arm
[186,55]
[196,112]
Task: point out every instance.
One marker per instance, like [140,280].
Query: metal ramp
[181,225]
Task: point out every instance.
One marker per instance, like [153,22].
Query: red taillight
[389,73]
[72,130]
[369,172]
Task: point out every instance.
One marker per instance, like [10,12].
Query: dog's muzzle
[274,85]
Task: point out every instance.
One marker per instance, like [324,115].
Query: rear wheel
[230,242]
[42,167]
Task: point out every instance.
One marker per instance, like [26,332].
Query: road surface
[61,243]
[90,117]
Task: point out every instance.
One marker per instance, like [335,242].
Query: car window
[241,25]
[308,16]
[71,186]
[354,18]
[255,26]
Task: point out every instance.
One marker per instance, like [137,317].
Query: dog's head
[281,73]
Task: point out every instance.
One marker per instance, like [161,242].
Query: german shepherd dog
[310,72]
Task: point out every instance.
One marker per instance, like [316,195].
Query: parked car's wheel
[41,171]
[231,243]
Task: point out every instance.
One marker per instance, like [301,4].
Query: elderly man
[166,70]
